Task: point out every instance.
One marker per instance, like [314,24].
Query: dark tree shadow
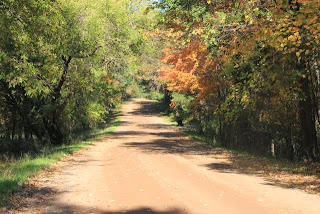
[222,167]
[293,185]
[157,126]
[147,109]
[173,146]
[162,133]
[66,209]
[36,199]
[31,196]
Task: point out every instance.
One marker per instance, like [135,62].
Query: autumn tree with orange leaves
[252,67]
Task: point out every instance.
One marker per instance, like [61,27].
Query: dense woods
[65,64]
[246,72]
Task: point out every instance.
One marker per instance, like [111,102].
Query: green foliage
[181,104]
[65,64]
[155,95]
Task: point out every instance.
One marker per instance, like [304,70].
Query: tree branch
[57,90]
[88,55]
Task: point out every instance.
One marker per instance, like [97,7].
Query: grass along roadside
[168,119]
[14,174]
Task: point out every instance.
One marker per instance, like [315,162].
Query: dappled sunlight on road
[148,166]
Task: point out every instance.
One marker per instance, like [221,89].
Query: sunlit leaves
[266,55]
[63,64]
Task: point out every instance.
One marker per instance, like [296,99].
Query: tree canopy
[65,64]
[252,67]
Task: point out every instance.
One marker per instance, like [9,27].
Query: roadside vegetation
[246,73]
[65,67]
[15,172]
[278,171]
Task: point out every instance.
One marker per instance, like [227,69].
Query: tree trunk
[167,99]
[289,146]
[55,134]
[307,120]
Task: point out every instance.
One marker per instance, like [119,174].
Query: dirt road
[147,166]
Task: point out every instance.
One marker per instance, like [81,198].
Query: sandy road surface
[147,166]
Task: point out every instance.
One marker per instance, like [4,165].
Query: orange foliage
[189,69]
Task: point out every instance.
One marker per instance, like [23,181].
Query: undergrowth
[292,174]
[15,172]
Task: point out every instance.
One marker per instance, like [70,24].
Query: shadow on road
[42,197]
[66,209]
[148,108]
[167,141]
[225,162]
[157,126]
[172,146]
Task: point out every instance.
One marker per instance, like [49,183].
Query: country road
[148,166]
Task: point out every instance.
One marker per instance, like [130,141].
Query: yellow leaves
[172,33]
[306,26]
[154,33]
[298,23]
[300,20]
[198,31]
[298,54]
[314,31]
[306,52]
[297,33]
[245,99]
[209,1]
[303,1]
[292,38]
[312,20]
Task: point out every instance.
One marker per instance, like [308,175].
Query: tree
[64,64]
[266,54]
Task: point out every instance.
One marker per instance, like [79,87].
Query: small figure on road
[179,119]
